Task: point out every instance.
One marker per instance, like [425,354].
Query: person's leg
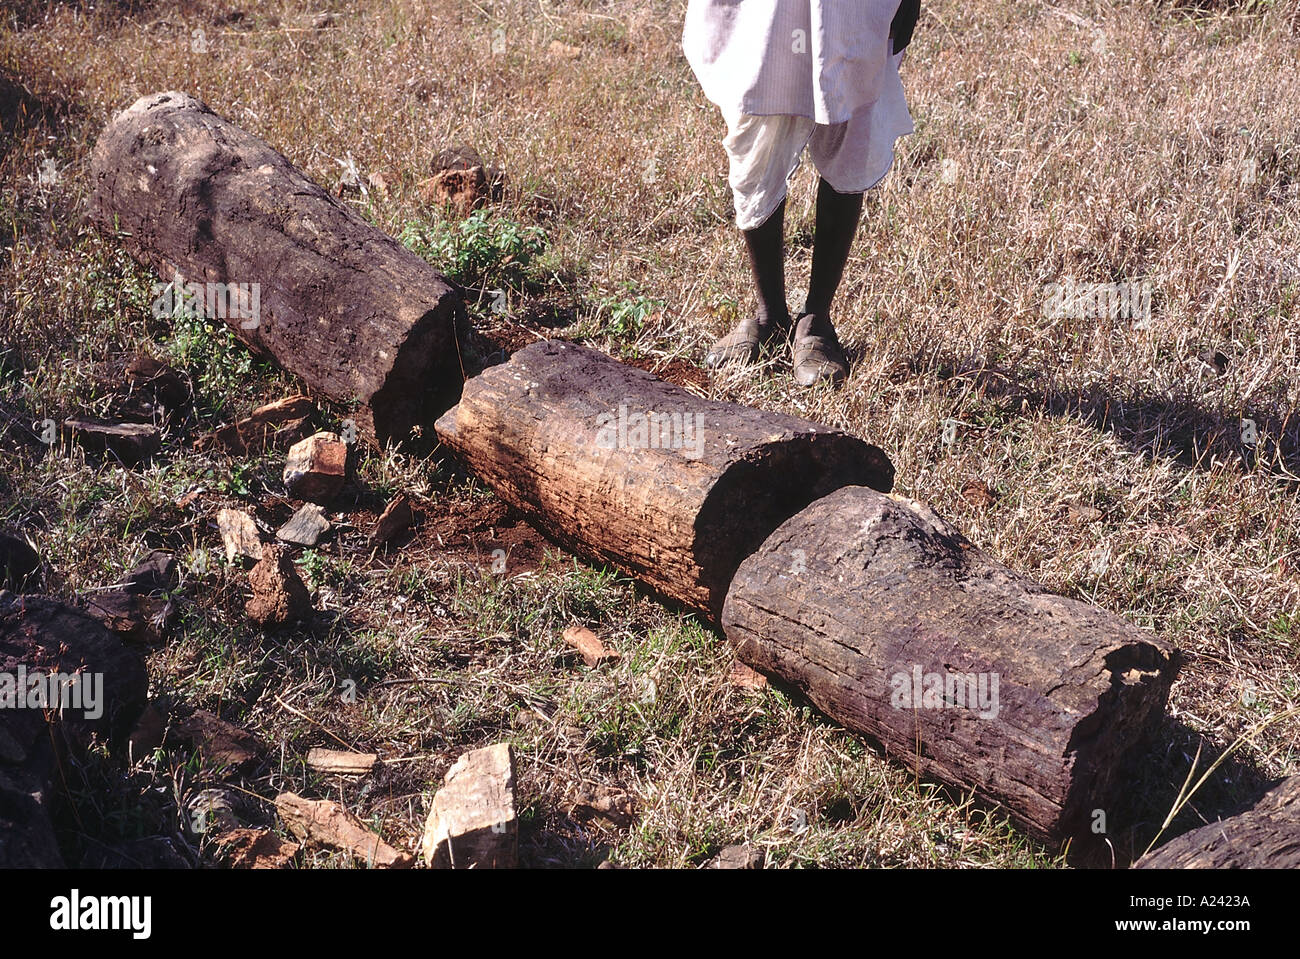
[762,150]
[837,224]
[766,246]
[816,352]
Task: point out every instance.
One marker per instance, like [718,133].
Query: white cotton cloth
[821,59]
[790,74]
[764,151]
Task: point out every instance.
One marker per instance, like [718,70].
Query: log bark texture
[342,305]
[555,432]
[1267,836]
[894,625]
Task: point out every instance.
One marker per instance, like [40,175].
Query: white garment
[821,59]
[852,156]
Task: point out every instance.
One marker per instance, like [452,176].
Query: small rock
[1082,515]
[148,733]
[458,156]
[239,534]
[601,802]
[306,527]
[978,493]
[564,51]
[473,823]
[220,743]
[130,443]
[462,190]
[280,423]
[379,184]
[1215,360]
[396,517]
[593,651]
[139,608]
[168,386]
[19,563]
[743,856]
[255,849]
[341,762]
[279,594]
[461,179]
[325,822]
[156,573]
[316,467]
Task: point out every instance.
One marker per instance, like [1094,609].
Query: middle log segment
[625,469]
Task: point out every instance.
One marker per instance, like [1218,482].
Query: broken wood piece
[19,563]
[341,762]
[291,270]
[326,823]
[894,625]
[139,609]
[239,535]
[305,527]
[593,651]
[219,742]
[281,423]
[473,822]
[1266,836]
[395,518]
[623,468]
[279,594]
[316,467]
[245,848]
[131,443]
[164,382]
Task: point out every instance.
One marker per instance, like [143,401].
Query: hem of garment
[872,183]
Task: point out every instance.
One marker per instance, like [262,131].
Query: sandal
[742,344]
[817,354]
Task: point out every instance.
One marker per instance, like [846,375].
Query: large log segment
[894,625]
[626,469]
[292,271]
[1266,836]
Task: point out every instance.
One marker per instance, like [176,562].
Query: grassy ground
[1103,142]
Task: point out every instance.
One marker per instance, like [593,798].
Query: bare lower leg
[837,222]
[766,246]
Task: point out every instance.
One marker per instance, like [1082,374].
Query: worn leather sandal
[742,344]
[817,356]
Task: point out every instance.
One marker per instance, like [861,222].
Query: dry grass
[1103,142]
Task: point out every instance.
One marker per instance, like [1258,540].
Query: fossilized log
[332,299]
[894,625]
[1266,836]
[621,467]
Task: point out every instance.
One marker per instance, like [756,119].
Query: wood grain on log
[894,625]
[619,466]
[1267,836]
[340,304]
